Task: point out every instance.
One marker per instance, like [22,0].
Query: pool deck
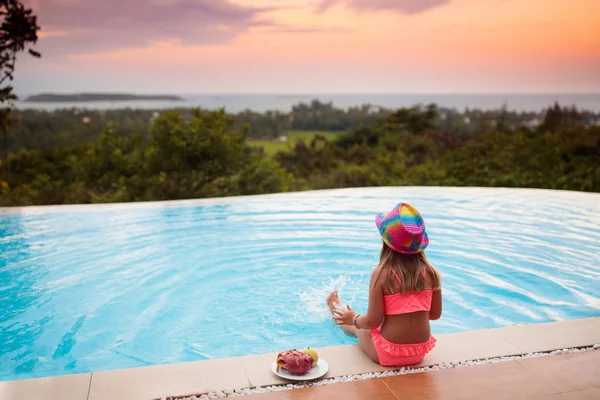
[200,377]
[561,377]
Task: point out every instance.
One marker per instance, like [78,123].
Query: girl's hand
[344,316]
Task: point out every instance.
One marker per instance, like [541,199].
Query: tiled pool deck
[561,377]
[242,372]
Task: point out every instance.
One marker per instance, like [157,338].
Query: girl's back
[410,287]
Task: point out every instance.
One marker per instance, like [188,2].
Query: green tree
[184,157]
[261,175]
[18,31]
[193,154]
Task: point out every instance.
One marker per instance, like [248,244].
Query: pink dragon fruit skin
[296,362]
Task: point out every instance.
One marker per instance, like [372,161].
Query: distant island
[84,97]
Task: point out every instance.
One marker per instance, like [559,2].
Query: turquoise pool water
[91,288]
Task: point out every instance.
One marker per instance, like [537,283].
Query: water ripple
[90,288]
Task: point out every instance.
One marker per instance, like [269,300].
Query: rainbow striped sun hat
[403,229]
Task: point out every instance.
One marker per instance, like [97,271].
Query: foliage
[18,31]
[75,127]
[181,158]
[272,147]
[194,154]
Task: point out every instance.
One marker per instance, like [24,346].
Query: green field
[271,147]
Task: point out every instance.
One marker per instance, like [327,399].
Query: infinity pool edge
[34,209]
[183,379]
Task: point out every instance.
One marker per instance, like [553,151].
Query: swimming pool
[90,288]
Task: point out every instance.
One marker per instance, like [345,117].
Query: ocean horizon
[235,103]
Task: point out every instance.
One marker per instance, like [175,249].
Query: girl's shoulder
[378,276]
[433,277]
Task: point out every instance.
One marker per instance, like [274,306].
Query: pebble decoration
[225,393]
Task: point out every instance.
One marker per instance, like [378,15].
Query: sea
[235,103]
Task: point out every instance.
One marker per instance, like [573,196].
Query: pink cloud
[403,6]
[99,25]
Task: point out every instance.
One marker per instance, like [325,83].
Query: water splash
[312,301]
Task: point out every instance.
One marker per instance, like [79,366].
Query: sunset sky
[314,46]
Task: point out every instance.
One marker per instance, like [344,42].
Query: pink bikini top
[405,303]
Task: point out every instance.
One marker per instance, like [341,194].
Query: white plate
[314,373]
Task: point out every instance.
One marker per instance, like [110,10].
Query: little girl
[404,295]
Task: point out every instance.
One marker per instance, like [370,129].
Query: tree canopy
[18,32]
[199,153]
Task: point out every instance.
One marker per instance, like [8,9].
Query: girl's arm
[436,305]
[374,316]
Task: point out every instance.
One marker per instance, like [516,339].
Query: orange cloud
[46,34]
[453,45]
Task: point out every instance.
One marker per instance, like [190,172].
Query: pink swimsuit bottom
[399,355]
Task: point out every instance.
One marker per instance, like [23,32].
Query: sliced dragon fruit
[296,362]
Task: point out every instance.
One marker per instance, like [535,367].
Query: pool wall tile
[259,371]
[66,387]
[373,389]
[169,380]
[554,335]
[342,360]
[470,345]
[499,381]
[586,394]
[576,371]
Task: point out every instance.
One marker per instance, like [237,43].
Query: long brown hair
[409,268]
